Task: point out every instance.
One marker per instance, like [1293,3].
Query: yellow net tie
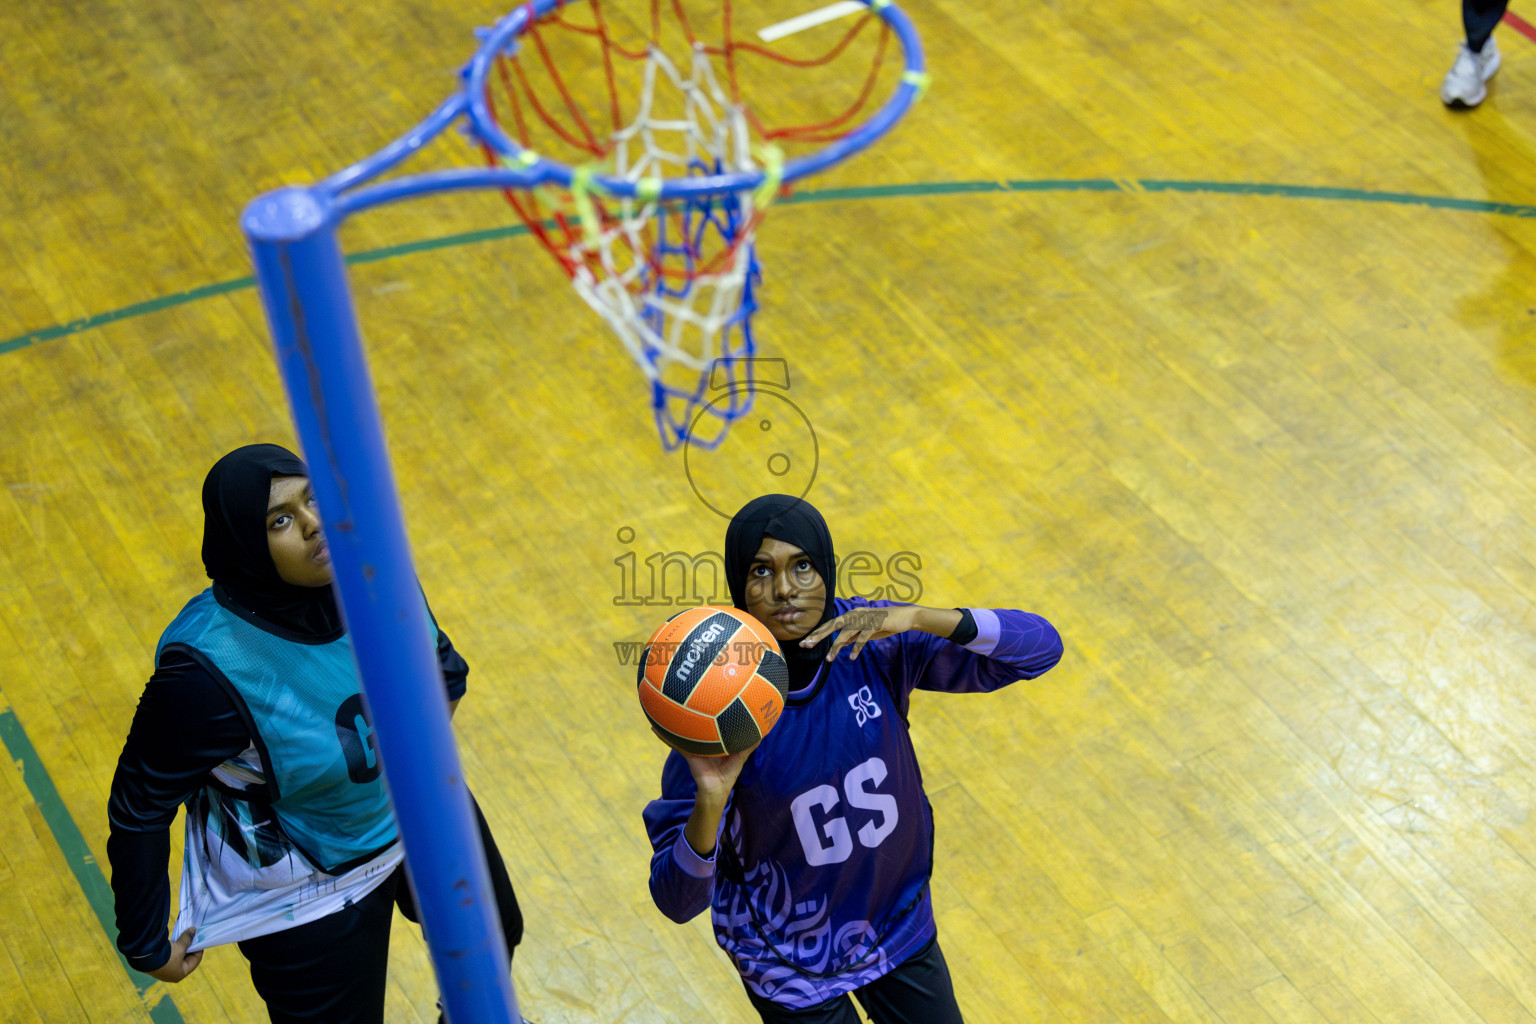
[919,79]
[586,210]
[773,175]
[524,158]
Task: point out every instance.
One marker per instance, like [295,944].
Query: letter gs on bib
[827,840]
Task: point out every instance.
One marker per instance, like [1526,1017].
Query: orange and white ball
[712,681]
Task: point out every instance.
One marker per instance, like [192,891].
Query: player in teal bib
[254,720]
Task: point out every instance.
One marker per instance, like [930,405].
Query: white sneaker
[1463,86]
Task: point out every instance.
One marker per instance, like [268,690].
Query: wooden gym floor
[1225,364]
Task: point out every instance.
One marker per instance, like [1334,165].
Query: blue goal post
[302,279]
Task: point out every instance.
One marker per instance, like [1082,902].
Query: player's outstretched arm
[934,651]
[1008,645]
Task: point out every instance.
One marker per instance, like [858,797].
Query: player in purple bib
[813,849]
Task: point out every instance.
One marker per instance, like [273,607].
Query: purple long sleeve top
[819,880]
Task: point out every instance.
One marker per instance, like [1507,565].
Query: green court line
[137,309]
[1353,195]
[67,834]
[828,195]
[208,291]
[78,855]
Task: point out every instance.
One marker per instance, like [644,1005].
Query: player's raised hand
[715,777]
[858,626]
[181,962]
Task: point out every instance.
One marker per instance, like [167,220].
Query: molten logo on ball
[696,648]
[712,681]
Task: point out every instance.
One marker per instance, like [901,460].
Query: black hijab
[236,555]
[793,521]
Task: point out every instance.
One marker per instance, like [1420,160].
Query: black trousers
[1479,18]
[917,992]
[332,971]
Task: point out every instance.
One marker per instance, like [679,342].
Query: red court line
[1520,25]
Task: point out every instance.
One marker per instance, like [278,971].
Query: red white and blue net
[677,131]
